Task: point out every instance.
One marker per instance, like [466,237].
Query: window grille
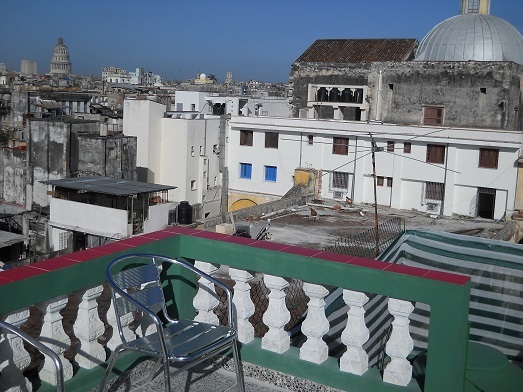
[340,180]
[434,190]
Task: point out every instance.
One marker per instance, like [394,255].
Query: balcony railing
[76,282]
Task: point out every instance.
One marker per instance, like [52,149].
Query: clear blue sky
[179,38]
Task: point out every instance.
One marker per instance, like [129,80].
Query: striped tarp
[496,271]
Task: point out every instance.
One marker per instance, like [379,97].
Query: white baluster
[125,320]
[206,299]
[276,316]
[315,325]
[355,359]
[54,336]
[243,304]
[400,344]
[14,356]
[88,327]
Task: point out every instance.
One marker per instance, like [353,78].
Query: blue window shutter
[270,173]
[245,170]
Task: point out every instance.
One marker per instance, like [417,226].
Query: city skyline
[178,40]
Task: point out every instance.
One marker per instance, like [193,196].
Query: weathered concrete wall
[73,148]
[100,156]
[13,168]
[474,94]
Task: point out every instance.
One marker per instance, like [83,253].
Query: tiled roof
[358,50]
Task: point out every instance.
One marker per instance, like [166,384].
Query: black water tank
[184,213]
[322,94]
[346,95]
[334,95]
[358,95]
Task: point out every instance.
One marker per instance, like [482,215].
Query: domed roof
[472,37]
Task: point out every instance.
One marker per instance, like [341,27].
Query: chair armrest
[43,349]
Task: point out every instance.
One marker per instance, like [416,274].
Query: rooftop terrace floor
[294,227]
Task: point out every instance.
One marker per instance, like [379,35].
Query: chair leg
[167,375]
[117,351]
[238,367]
[155,369]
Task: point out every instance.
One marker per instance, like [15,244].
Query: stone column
[355,359]
[276,316]
[243,304]
[54,336]
[13,356]
[315,325]
[400,344]
[125,320]
[206,299]
[88,328]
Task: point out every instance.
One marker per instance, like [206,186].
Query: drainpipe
[441,207]
[354,170]
[222,168]
[378,98]
[301,145]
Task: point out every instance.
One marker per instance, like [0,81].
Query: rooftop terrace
[75,282]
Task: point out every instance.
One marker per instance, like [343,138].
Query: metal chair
[43,349]
[136,287]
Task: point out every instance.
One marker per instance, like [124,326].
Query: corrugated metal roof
[358,50]
[108,185]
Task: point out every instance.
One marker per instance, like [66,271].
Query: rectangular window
[340,146]
[434,190]
[340,180]
[435,153]
[270,173]
[271,140]
[245,170]
[390,146]
[311,139]
[407,147]
[379,180]
[488,158]
[245,138]
[193,185]
[389,182]
[432,115]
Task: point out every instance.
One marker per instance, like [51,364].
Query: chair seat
[186,340]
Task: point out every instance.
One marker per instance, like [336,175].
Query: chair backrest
[136,285]
[135,280]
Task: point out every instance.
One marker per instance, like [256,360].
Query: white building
[179,148]
[438,170]
[28,67]
[115,75]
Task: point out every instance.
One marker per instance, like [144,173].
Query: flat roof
[108,185]
[8,239]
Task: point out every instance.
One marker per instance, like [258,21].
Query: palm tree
[213,78]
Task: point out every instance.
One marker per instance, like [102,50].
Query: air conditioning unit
[338,195]
[432,206]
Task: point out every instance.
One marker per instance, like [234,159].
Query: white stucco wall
[158,217]
[409,171]
[141,118]
[89,218]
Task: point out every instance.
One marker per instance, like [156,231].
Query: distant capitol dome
[472,36]
[60,63]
